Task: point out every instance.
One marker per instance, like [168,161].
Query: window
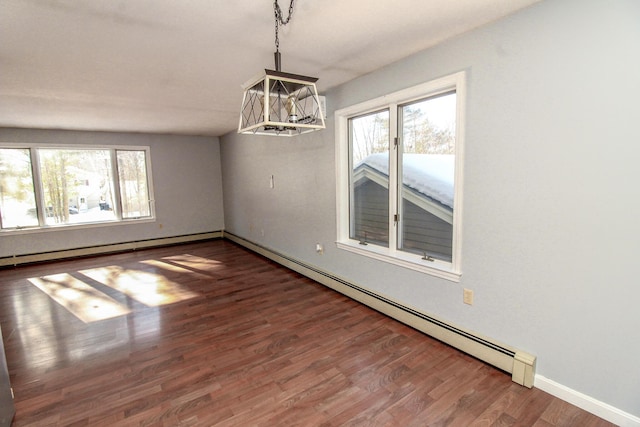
[400,177]
[134,191]
[45,187]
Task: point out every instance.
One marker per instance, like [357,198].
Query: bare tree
[133,183]
[420,135]
[370,134]
[55,182]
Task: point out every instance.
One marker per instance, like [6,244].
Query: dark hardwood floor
[209,334]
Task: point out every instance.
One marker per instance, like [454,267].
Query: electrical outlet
[319,248]
[467,296]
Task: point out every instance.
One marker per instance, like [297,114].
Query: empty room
[279,213]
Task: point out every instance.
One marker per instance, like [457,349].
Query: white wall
[551,193]
[187,188]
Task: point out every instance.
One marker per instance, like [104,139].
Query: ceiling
[177,66]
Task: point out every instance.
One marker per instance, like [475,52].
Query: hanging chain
[280,19]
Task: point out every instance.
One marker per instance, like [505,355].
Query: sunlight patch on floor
[148,288]
[80,299]
[166,265]
[195,262]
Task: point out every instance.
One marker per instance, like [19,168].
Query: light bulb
[291,109]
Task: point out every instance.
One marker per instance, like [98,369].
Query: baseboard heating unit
[519,364]
[105,249]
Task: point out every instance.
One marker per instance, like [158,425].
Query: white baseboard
[520,364]
[105,249]
[589,404]
[384,305]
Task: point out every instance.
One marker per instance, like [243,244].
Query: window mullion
[399,129]
[394,149]
[38,186]
[115,182]
[150,194]
[349,168]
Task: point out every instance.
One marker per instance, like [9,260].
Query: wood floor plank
[218,336]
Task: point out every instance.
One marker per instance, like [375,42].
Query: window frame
[393,101]
[39,193]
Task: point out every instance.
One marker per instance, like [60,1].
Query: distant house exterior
[427,203]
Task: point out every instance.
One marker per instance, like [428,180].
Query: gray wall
[551,195]
[187,188]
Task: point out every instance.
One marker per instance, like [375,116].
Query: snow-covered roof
[428,174]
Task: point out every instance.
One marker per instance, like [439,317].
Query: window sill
[69,227]
[402,259]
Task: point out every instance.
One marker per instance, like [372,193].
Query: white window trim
[450,271]
[38,188]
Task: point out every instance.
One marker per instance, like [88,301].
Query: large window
[400,177]
[45,187]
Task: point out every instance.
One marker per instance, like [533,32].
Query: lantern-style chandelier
[279,103]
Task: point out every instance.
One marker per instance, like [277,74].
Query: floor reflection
[149,288]
[76,291]
[128,298]
[195,262]
[79,298]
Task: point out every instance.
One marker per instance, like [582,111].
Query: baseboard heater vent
[105,249]
[519,364]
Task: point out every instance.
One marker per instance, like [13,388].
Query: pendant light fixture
[279,103]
